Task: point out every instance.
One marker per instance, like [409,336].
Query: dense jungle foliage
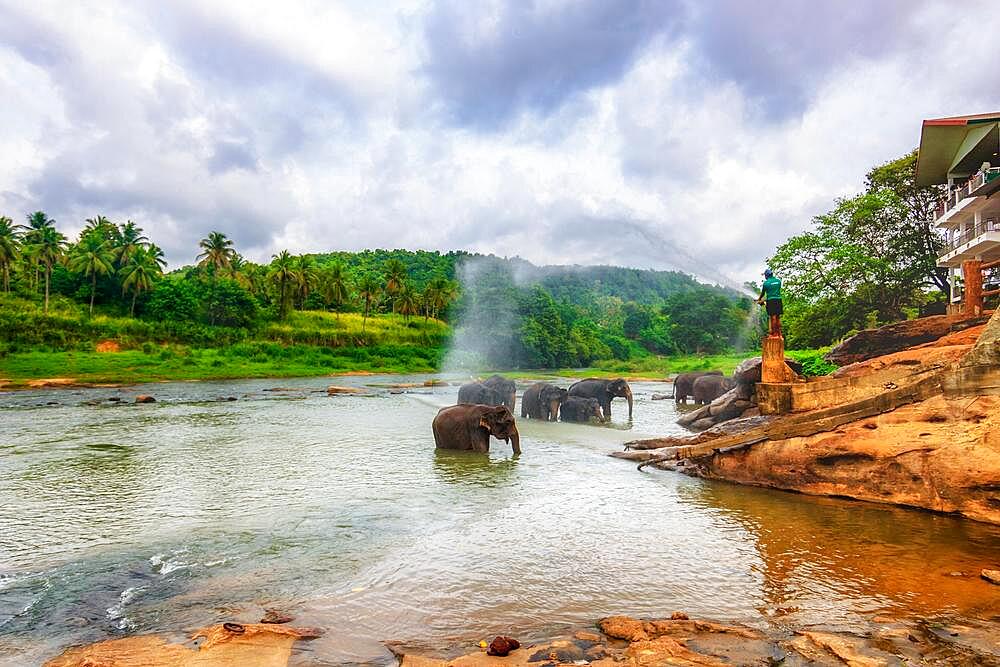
[109,284]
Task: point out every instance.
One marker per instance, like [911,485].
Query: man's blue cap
[768,273]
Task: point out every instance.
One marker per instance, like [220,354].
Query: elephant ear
[485,424]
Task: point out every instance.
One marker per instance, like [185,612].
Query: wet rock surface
[624,640]
[226,645]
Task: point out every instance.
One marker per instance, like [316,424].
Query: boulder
[502,646]
[896,337]
[992,576]
[144,398]
[702,424]
[660,397]
[334,389]
[691,417]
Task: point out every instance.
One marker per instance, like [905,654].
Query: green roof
[957,146]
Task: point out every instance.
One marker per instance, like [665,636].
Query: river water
[119,518]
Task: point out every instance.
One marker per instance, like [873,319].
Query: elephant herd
[486,409]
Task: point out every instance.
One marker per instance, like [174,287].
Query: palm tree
[155,253]
[92,256]
[218,251]
[368,289]
[335,287]
[395,276]
[283,273]
[9,237]
[48,249]
[102,226]
[407,301]
[141,272]
[306,276]
[131,240]
[37,223]
[439,293]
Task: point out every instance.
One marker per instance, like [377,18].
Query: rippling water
[121,518]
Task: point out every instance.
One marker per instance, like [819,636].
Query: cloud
[663,134]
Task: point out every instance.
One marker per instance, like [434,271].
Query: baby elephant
[469,427]
[541,401]
[577,409]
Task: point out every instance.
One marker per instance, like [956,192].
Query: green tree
[131,240]
[369,289]
[9,249]
[229,304]
[92,256]
[306,277]
[900,177]
[140,273]
[49,246]
[395,276]
[407,301]
[217,252]
[702,321]
[174,299]
[283,275]
[335,286]
[38,222]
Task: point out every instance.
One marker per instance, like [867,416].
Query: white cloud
[318,127]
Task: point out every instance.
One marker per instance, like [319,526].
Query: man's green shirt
[772,288]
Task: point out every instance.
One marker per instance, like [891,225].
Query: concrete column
[972,271]
[773,368]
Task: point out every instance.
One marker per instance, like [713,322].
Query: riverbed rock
[891,338]
[335,389]
[225,645]
[660,397]
[276,617]
[502,646]
[992,576]
[144,398]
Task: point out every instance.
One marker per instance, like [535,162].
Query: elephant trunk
[628,397]
[515,442]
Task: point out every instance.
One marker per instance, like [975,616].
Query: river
[120,518]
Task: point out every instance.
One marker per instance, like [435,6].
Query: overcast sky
[653,133]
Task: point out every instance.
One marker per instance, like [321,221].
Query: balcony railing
[987,225]
[964,190]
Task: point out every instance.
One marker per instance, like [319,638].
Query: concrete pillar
[773,368]
[972,271]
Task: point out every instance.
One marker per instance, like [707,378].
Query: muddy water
[124,518]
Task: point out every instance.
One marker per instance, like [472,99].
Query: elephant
[505,388]
[707,388]
[604,391]
[477,393]
[542,400]
[469,427]
[579,409]
[684,384]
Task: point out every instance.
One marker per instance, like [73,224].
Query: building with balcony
[963,154]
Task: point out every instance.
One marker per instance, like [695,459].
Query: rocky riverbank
[918,427]
[614,641]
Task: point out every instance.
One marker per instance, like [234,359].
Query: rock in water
[144,398]
[276,617]
[992,576]
[502,646]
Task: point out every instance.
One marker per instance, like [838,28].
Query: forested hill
[509,312]
[575,283]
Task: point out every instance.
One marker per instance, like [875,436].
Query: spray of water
[483,330]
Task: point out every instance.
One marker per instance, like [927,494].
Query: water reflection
[471,468]
[826,558]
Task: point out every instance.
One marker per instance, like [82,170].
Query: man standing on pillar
[770,294]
